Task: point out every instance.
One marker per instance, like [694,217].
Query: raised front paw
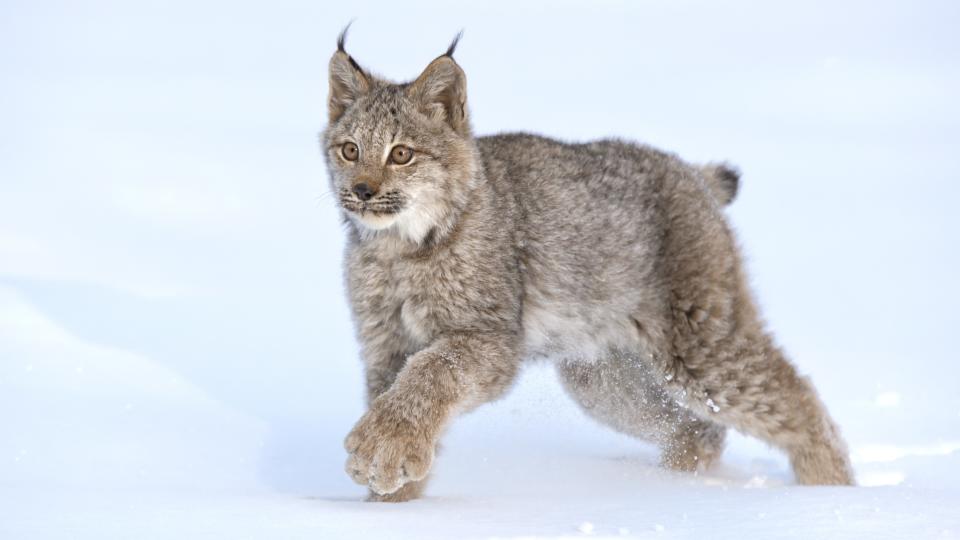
[387,450]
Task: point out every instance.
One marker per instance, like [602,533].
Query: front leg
[381,371]
[393,443]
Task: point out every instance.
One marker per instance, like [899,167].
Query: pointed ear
[347,83]
[441,91]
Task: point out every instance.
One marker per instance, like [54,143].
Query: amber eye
[349,151]
[401,155]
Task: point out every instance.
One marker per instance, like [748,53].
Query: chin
[375,222]
[410,224]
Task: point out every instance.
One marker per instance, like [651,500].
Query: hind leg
[712,352]
[622,393]
[747,383]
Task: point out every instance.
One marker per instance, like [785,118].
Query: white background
[176,355]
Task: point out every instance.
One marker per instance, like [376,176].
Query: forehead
[383,116]
[382,109]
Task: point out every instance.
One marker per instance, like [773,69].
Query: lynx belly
[576,332]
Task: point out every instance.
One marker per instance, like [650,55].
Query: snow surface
[176,355]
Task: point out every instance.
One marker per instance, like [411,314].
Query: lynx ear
[347,81]
[441,91]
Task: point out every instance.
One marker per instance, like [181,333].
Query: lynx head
[400,156]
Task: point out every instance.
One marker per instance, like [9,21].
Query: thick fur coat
[466,255]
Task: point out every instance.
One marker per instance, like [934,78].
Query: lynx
[468,255]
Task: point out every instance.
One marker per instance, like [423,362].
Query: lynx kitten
[466,255]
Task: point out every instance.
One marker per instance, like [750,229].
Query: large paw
[387,450]
[408,492]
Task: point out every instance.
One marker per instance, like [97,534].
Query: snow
[176,355]
[713,406]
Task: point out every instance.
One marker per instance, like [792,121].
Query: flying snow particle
[887,399]
[757,481]
[586,527]
[713,406]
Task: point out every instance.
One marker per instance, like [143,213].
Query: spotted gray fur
[613,258]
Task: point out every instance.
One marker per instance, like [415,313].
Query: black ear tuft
[342,38]
[347,80]
[453,45]
[341,41]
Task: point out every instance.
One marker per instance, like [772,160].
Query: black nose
[363,191]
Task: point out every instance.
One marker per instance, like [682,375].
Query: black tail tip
[724,180]
[730,178]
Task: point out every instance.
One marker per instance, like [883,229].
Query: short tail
[723,180]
